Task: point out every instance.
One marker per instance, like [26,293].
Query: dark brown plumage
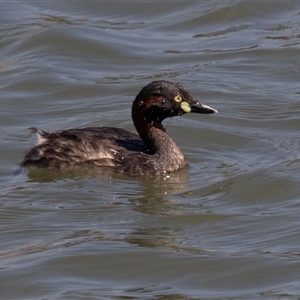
[152,152]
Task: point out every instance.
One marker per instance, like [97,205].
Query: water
[228,228]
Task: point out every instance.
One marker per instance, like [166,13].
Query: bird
[149,152]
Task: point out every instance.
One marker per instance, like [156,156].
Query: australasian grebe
[152,152]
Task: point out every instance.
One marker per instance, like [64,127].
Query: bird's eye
[178,98]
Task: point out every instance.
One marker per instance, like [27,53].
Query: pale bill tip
[208,107]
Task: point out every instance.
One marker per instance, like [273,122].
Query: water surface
[228,227]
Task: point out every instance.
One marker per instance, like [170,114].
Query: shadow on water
[162,195]
[148,195]
[157,186]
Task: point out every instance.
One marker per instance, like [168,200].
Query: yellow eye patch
[178,98]
[185,107]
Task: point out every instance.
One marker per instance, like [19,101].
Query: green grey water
[228,228]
